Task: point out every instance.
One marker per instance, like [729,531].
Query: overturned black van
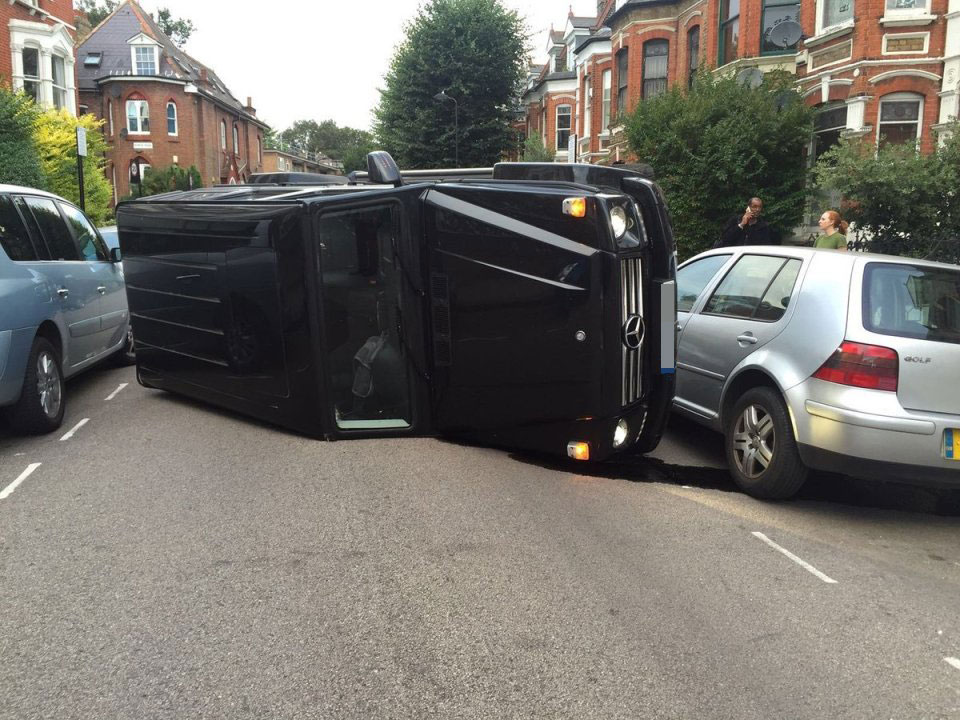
[530,306]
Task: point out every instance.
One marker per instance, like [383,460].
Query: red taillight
[864,366]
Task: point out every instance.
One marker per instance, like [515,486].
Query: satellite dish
[750,77]
[786,35]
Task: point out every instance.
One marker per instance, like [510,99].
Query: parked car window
[739,293]
[54,229]
[694,277]
[91,246]
[13,233]
[777,298]
[912,301]
[32,228]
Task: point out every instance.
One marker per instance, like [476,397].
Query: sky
[320,59]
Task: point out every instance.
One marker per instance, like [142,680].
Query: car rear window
[912,301]
[14,237]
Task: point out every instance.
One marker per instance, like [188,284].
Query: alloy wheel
[754,441]
[49,384]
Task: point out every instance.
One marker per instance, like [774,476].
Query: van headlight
[618,221]
[620,433]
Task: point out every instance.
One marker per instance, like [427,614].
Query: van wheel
[40,407]
[761,450]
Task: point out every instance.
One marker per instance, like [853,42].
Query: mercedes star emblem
[632,333]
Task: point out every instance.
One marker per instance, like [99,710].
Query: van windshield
[912,301]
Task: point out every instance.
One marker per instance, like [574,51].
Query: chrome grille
[631,299]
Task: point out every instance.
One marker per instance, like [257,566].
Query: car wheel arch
[49,331]
[745,379]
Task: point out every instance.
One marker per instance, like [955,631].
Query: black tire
[761,450]
[40,407]
[126,356]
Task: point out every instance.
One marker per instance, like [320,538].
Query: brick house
[886,69]
[283,161]
[161,106]
[37,51]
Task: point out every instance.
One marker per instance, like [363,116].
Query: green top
[831,242]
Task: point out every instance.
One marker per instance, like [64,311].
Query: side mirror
[382,169]
[115,255]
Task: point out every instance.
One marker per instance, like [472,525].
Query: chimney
[203,75]
[249,107]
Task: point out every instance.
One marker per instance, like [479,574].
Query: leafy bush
[903,202]
[19,164]
[55,133]
[535,151]
[163,180]
[719,143]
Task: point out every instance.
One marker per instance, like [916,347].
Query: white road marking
[116,392]
[74,429]
[952,661]
[5,493]
[802,563]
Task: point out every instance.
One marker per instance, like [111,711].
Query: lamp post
[443,97]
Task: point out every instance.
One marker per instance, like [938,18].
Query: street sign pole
[81,154]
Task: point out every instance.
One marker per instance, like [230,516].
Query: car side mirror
[382,169]
[115,255]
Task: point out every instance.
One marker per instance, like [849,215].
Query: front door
[744,313]
[369,306]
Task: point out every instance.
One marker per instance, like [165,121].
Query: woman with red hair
[834,231]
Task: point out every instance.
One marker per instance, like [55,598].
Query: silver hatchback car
[825,360]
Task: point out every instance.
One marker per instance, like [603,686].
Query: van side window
[53,227]
[91,247]
[14,237]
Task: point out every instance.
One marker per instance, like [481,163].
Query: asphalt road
[167,560]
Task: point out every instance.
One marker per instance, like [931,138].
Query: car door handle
[102,289]
[747,339]
[63,292]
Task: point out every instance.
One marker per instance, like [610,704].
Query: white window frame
[821,14]
[142,41]
[53,84]
[901,97]
[587,105]
[223,135]
[140,117]
[606,78]
[47,40]
[110,116]
[176,119]
[907,16]
[557,128]
[35,79]
[236,140]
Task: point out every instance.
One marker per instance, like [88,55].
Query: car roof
[801,251]
[28,190]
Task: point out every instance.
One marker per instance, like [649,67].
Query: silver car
[63,306]
[820,359]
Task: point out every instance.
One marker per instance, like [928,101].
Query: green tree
[177,29]
[168,179]
[55,134]
[718,144]
[90,13]
[535,151]
[19,163]
[902,202]
[324,137]
[474,50]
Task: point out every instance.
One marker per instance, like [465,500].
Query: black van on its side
[534,308]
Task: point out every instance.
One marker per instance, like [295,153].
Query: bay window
[59,72]
[729,31]
[31,73]
[623,64]
[564,118]
[655,56]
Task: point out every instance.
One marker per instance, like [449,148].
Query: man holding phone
[748,229]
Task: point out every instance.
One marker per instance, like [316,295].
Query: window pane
[31,62]
[900,111]
[731,38]
[729,9]
[895,133]
[90,246]
[906,4]
[693,278]
[910,301]
[14,237]
[831,119]
[59,75]
[739,293]
[145,61]
[693,47]
[53,228]
[773,16]
[777,297]
[837,11]
[171,119]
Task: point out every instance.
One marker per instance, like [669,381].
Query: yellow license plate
[951,444]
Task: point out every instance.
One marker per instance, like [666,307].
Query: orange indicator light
[575,207]
[578,450]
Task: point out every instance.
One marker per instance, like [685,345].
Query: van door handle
[63,292]
[747,339]
[102,289]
